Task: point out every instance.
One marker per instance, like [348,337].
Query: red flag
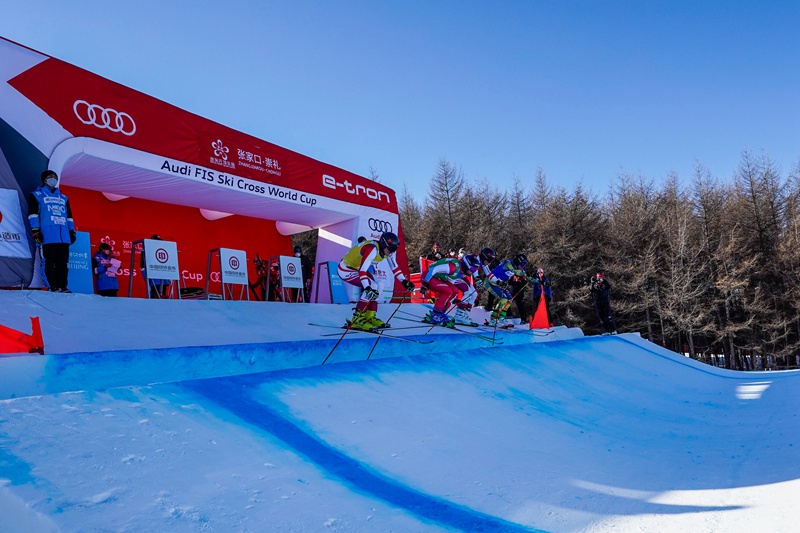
[13,341]
[539,319]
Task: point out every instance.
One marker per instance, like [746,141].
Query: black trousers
[56,264]
[605,316]
[517,290]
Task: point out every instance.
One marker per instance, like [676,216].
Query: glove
[72,236]
[507,295]
[407,285]
[479,284]
[371,294]
[37,236]
[423,289]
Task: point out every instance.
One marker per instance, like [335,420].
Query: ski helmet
[470,262]
[389,240]
[520,260]
[487,255]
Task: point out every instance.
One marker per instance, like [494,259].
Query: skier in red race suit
[446,277]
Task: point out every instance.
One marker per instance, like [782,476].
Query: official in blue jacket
[50,216]
[107,283]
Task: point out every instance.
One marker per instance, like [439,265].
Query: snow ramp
[588,434]
[100,343]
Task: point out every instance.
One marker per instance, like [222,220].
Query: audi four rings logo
[104,118]
[379,225]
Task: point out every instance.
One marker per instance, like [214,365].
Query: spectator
[435,255]
[157,287]
[306,267]
[105,270]
[542,288]
[516,286]
[600,288]
[274,283]
[50,216]
[452,253]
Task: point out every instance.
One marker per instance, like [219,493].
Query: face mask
[51,182]
[297,255]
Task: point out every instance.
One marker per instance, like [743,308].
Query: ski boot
[438,318]
[376,322]
[360,322]
[463,318]
[498,320]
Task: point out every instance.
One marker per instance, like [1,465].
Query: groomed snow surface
[168,416]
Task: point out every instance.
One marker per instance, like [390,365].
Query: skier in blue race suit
[50,216]
[497,284]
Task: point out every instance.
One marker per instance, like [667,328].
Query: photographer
[600,288]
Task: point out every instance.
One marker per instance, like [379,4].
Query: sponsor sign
[375,223]
[13,234]
[90,106]
[291,272]
[161,259]
[338,286]
[234,266]
[79,277]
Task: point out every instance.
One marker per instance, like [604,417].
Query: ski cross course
[565,432]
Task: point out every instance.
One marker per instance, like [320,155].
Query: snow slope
[573,434]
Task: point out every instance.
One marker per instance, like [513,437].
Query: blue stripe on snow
[234,395]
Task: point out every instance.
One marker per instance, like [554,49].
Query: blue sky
[584,90]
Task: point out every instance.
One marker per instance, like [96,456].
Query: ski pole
[506,306]
[402,301]
[349,325]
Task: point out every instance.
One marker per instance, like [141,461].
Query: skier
[542,288]
[357,267]
[600,288]
[447,278]
[488,259]
[497,283]
[476,282]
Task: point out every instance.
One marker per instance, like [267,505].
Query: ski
[377,329]
[454,328]
[493,341]
[535,333]
[381,332]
